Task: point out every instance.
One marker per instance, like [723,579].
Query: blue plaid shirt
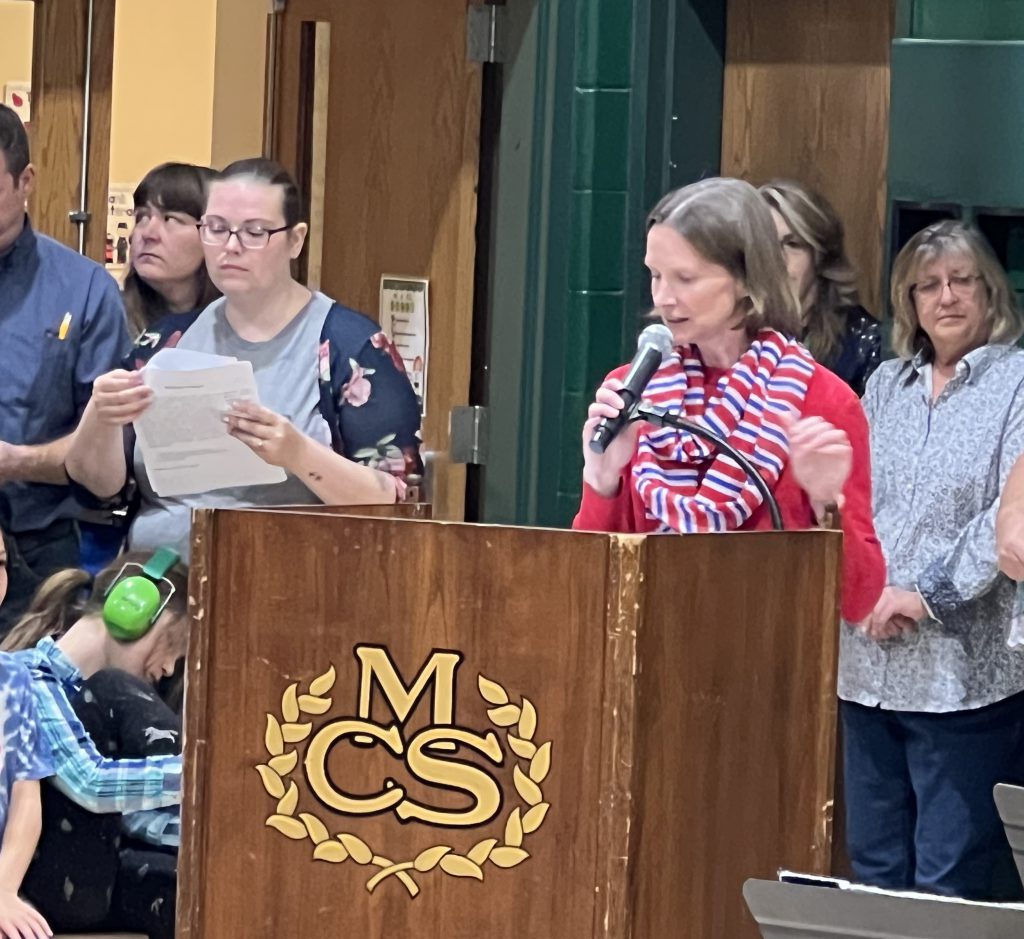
[131,786]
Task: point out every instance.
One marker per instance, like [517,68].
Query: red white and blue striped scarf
[770,378]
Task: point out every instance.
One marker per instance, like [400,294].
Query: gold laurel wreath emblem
[518,721]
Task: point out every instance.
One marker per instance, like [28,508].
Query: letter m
[375,664]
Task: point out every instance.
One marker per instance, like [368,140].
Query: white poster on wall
[405,317]
[18,96]
[120,215]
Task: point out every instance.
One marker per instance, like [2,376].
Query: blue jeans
[919,807]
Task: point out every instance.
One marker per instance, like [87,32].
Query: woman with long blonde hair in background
[836,329]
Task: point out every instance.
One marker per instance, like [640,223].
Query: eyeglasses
[960,285]
[217,233]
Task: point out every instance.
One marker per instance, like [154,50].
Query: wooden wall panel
[58,82]
[401,168]
[807,97]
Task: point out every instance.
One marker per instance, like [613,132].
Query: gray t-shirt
[286,376]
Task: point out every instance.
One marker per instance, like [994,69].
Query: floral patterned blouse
[365,397]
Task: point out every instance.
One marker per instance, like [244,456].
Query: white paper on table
[182,435]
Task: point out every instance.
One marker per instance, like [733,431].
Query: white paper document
[183,436]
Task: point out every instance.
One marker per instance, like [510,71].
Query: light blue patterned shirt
[938,469]
[82,773]
[25,755]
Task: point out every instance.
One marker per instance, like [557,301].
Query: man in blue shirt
[62,325]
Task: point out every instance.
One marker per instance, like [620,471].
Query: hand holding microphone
[607,447]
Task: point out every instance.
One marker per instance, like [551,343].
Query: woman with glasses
[336,411]
[932,697]
[165,288]
[836,329]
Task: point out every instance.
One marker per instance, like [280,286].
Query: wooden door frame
[57,126]
[450,354]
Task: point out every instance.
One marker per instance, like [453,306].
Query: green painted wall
[956,127]
[963,19]
[607,105]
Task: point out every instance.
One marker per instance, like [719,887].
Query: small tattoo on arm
[317,477]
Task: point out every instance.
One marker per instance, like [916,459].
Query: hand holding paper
[183,434]
[120,397]
[270,436]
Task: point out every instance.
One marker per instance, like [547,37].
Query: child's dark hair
[65,597]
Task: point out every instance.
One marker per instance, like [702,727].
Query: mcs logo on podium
[434,757]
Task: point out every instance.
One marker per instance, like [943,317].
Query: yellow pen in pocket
[65,325]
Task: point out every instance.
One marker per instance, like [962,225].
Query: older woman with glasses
[336,411]
[933,699]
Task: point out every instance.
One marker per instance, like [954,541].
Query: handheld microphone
[654,344]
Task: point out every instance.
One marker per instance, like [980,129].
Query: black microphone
[655,344]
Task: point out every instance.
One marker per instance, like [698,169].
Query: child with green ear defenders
[138,595]
[110,825]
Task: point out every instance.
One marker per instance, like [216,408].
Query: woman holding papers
[336,411]
[719,284]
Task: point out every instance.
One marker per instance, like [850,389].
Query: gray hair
[729,224]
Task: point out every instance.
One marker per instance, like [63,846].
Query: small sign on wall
[18,96]
[405,318]
[120,221]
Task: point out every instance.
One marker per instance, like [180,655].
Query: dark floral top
[365,397]
[860,350]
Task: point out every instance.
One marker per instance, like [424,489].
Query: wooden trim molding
[57,128]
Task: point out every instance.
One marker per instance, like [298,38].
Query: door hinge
[467,435]
[484,33]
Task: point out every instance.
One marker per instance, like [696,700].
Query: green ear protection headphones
[134,601]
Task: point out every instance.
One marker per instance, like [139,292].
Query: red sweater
[830,398]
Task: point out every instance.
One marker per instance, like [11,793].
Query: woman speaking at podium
[719,284]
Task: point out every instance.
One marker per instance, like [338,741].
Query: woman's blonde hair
[65,597]
[729,224]
[1005,324]
[813,221]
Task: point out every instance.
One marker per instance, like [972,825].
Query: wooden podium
[398,727]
